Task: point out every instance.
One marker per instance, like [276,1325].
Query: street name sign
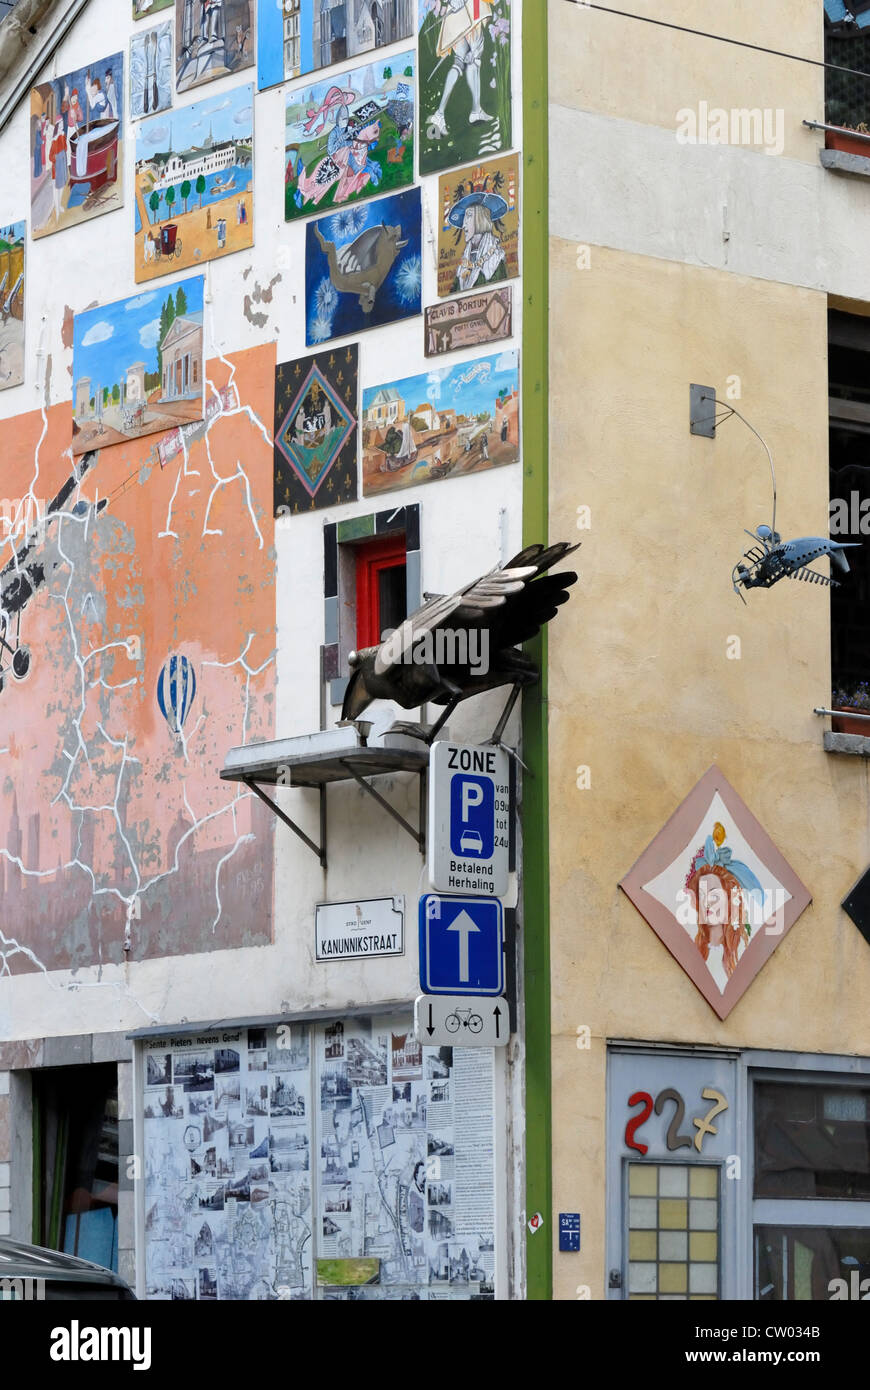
[454,1020]
[359,930]
[461,945]
[469,819]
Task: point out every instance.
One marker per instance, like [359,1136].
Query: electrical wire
[718,38]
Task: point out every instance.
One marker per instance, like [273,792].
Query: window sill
[839,162]
[856,744]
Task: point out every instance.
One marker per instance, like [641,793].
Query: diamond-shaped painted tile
[314,431]
[716,891]
[857,905]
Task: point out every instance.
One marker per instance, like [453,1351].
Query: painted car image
[471,842]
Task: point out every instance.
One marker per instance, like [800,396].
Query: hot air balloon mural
[176,691]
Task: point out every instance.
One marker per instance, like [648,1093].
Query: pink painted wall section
[108,815]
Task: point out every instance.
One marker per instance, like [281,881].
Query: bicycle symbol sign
[454,1020]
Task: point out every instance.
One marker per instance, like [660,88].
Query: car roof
[18,1261]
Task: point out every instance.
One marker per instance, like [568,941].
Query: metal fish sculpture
[774,559]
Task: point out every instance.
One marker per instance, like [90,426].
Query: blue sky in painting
[229,116]
[469,388]
[108,340]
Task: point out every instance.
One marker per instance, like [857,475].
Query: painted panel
[77,146]
[151,71]
[134,657]
[138,366]
[194,184]
[349,138]
[146,9]
[716,891]
[465,81]
[295,37]
[363,267]
[213,38]
[474,321]
[478,237]
[12,243]
[316,431]
[447,423]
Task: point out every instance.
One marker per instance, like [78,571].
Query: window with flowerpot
[849,460]
[847,90]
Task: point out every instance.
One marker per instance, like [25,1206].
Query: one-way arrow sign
[460,1020]
[461,945]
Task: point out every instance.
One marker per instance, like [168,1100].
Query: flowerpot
[845,725]
[849,142]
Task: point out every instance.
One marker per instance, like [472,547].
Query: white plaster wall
[467,526]
[634,187]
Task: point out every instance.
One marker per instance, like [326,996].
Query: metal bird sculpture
[774,559]
[462,644]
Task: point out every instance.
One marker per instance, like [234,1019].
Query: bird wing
[360,254]
[466,607]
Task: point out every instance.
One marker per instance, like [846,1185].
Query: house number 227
[674,1139]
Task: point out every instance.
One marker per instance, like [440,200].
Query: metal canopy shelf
[332,755]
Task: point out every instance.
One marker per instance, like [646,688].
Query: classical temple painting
[363,267]
[716,890]
[347,139]
[138,366]
[447,423]
[151,70]
[316,431]
[194,184]
[465,81]
[213,38]
[12,240]
[479,217]
[133,658]
[300,36]
[77,146]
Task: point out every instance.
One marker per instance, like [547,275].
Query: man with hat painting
[484,260]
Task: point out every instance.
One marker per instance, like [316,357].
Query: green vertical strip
[536,861]
[38,1142]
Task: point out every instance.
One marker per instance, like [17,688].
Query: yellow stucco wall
[638,72]
[642,691]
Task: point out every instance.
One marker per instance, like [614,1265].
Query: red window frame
[388,553]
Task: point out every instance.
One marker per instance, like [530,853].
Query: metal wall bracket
[702,411]
[319,850]
[418,835]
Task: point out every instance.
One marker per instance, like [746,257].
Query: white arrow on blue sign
[461,945]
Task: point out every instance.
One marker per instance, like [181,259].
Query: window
[849,459]
[811,1141]
[380,589]
[673,1231]
[811,1187]
[372,581]
[847,45]
[75,1162]
[801,1265]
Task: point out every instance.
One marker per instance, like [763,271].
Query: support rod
[418,835]
[319,850]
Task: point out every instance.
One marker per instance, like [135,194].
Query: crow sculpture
[462,644]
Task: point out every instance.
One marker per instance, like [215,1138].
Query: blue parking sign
[472,818]
[469,821]
[461,945]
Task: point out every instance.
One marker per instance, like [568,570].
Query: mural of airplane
[28,569]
